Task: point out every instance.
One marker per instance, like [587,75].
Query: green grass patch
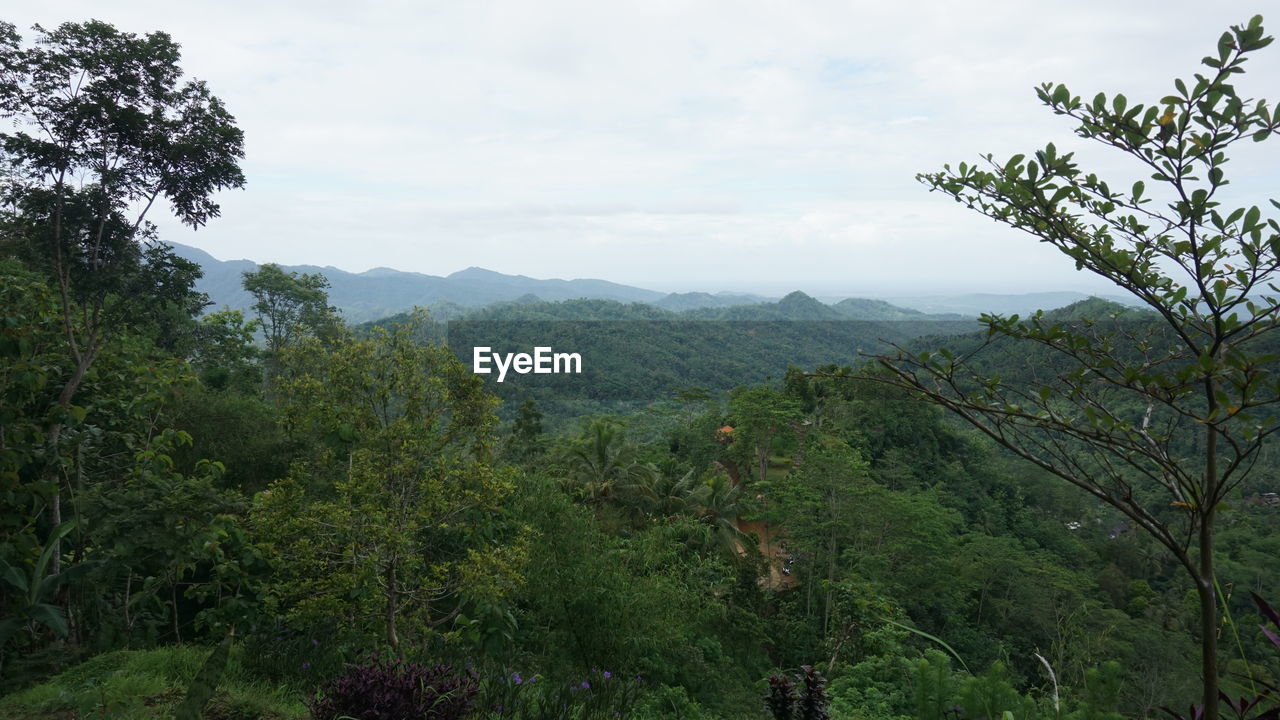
[149,684]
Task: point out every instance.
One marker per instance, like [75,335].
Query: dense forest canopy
[734,514]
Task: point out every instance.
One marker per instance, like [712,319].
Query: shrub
[804,698]
[380,689]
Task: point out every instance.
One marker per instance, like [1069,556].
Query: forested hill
[634,354]
[796,306]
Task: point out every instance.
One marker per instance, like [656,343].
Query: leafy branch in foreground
[1159,414]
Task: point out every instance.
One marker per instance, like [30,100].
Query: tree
[288,304]
[101,128]
[602,462]
[1162,418]
[761,414]
[818,504]
[224,353]
[392,522]
[526,440]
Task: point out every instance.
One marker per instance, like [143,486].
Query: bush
[381,689]
[802,698]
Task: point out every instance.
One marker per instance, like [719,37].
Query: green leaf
[51,616]
[13,576]
[1251,218]
[205,683]
[77,413]
[927,636]
[43,562]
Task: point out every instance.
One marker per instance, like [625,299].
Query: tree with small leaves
[1160,419]
[390,523]
[289,304]
[100,126]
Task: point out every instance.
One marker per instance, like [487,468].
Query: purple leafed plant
[1264,705]
[804,698]
[1269,613]
[381,689]
[781,699]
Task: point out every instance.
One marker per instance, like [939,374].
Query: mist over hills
[382,292]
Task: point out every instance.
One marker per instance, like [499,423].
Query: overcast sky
[755,146]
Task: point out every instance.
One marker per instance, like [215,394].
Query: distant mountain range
[381,292]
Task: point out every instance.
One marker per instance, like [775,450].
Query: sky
[716,146]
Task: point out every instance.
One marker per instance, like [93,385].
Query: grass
[149,684]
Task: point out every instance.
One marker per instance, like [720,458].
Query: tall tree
[392,521]
[1160,419]
[288,304]
[102,126]
[761,414]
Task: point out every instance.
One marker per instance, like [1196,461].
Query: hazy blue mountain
[383,291]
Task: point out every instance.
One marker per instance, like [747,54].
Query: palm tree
[605,464]
[719,504]
[665,496]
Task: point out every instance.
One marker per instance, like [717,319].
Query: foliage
[289,304]
[384,689]
[223,352]
[1264,705]
[645,603]
[696,542]
[34,590]
[390,521]
[1117,406]
[203,685]
[527,440]
[102,128]
[149,684]
[636,355]
[801,698]
[602,464]
[99,127]
[601,696]
[171,550]
[761,416]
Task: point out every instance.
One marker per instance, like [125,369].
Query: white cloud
[710,145]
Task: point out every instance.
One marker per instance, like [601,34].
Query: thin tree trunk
[392,638]
[1205,584]
[1208,622]
[54,437]
[173,601]
[128,621]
